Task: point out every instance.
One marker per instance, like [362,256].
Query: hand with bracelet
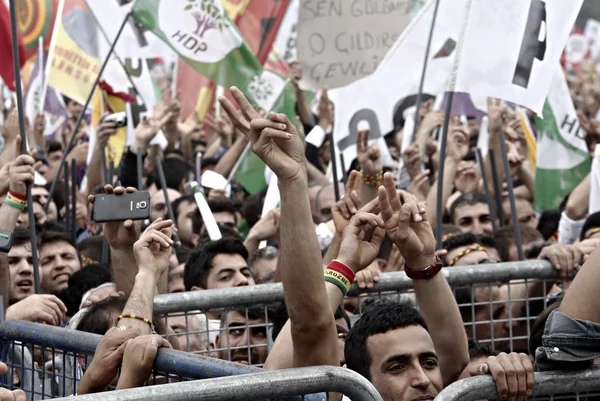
[407,226]
[371,165]
[360,244]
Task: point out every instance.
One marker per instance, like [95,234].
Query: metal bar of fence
[175,362]
[548,383]
[268,293]
[263,385]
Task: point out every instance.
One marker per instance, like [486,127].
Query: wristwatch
[427,273]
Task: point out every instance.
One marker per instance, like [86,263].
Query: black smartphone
[134,206]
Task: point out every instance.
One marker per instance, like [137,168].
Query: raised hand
[412,159]
[149,127]
[104,131]
[153,249]
[406,224]
[120,235]
[498,116]
[10,129]
[326,115]
[467,178]
[361,241]
[266,227]
[47,309]
[107,360]
[369,157]
[350,203]
[433,119]
[274,140]
[564,258]
[79,154]
[458,141]
[418,187]
[138,360]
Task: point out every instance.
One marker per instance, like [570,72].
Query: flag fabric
[7,71]
[33,94]
[372,101]
[74,55]
[530,138]
[563,160]
[36,20]
[511,49]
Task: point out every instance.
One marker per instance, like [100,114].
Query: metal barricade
[257,386]
[496,302]
[557,385]
[48,362]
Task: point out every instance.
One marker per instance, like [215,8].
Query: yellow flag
[73,66]
[111,104]
[529,138]
[235,8]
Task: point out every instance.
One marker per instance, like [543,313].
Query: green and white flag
[563,160]
[202,34]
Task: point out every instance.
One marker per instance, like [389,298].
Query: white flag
[511,48]
[374,99]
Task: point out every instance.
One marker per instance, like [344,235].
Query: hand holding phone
[128,206]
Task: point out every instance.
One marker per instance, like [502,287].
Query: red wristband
[18,196]
[341,268]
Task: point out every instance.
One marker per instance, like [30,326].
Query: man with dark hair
[189,220]
[224,212]
[177,174]
[158,203]
[244,336]
[506,245]
[218,264]
[471,213]
[525,212]
[20,262]
[468,249]
[591,227]
[263,263]
[58,260]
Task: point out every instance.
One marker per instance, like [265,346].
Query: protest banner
[341,41]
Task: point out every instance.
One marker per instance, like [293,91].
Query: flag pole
[67,193]
[85,106]
[163,184]
[511,197]
[486,186]
[424,72]
[497,189]
[336,187]
[74,200]
[440,178]
[41,71]
[21,112]
[140,166]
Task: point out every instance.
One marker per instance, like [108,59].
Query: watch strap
[427,273]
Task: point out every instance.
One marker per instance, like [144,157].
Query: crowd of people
[102,277]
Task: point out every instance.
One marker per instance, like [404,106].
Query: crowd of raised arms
[330,244]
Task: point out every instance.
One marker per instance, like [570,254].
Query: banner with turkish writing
[74,54]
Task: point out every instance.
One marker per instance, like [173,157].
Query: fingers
[353,179]
[364,219]
[257,126]
[390,187]
[497,371]
[371,207]
[247,109]
[384,204]
[236,117]
[270,133]
[159,224]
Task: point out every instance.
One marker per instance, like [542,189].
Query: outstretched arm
[311,324]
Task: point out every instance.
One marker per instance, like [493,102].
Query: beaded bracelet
[140,318]
[10,202]
[464,253]
[372,180]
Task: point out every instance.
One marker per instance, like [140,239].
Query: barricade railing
[258,386]
[548,385]
[498,315]
[48,361]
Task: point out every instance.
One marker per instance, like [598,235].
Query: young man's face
[404,365]
[20,264]
[185,223]
[525,213]
[229,271]
[473,219]
[251,342]
[59,261]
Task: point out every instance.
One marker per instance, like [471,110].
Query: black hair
[223,205]
[459,240]
[209,161]
[21,236]
[91,247]
[592,221]
[252,208]
[479,350]
[226,231]
[53,146]
[252,312]
[537,329]
[81,282]
[379,320]
[469,199]
[197,221]
[199,263]
[175,172]
[183,253]
[548,223]
[505,239]
[97,319]
[486,241]
[51,236]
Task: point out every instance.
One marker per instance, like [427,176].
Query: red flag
[7,71]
